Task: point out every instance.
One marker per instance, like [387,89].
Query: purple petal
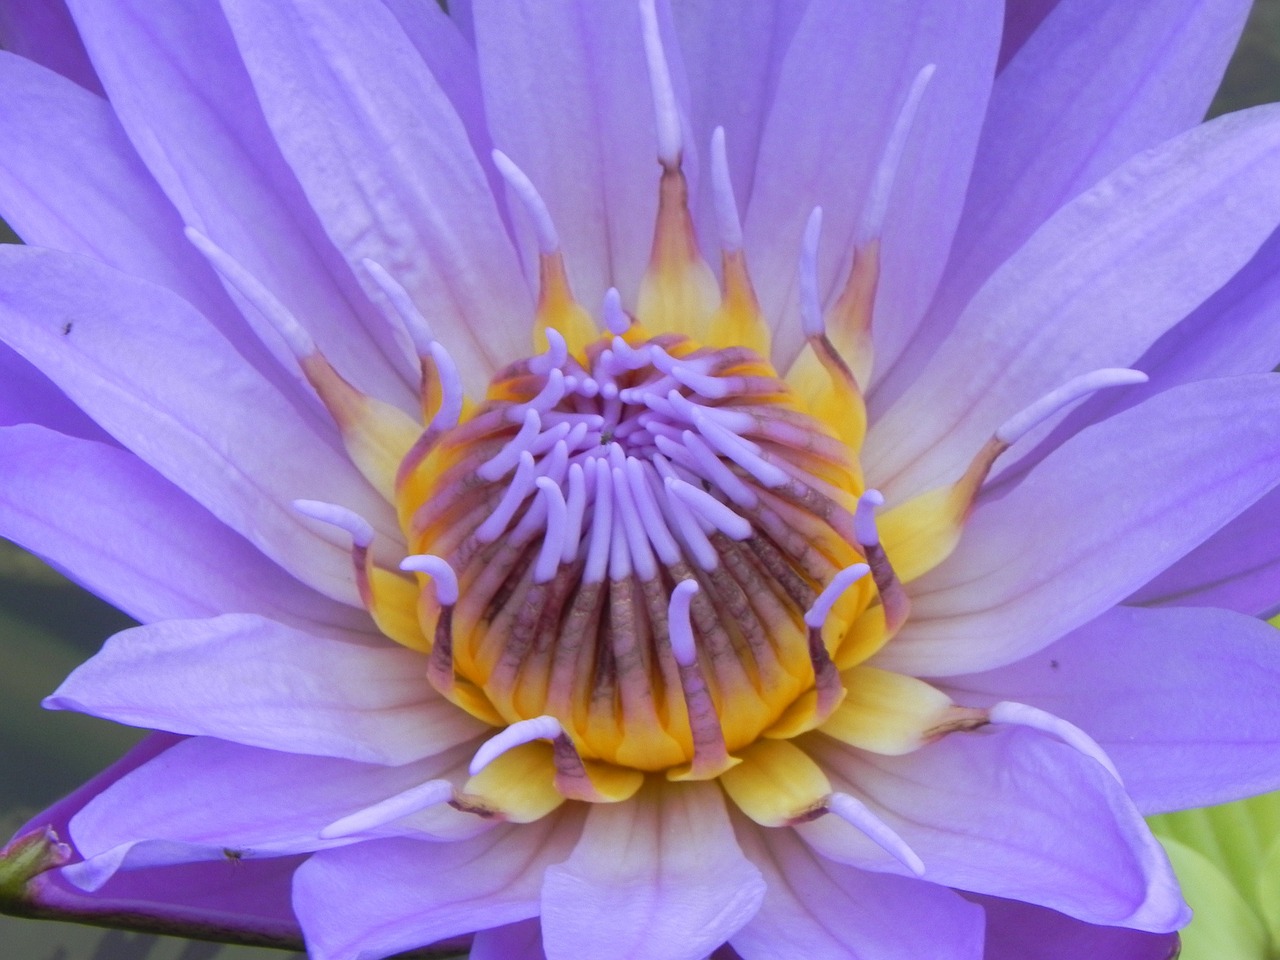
[387,165]
[1183,700]
[514,941]
[206,900]
[151,371]
[1023,931]
[842,84]
[197,897]
[134,539]
[1231,334]
[1098,83]
[180,90]
[1011,813]
[65,150]
[1021,18]
[28,396]
[451,57]
[1097,519]
[733,54]
[567,93]
[42,30]
[1237,568]
[659,877]
[822,910]
[204,797]
[252,681]
[377,898]
[1093,288]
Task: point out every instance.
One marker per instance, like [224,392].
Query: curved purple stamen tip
[446,581]
[864,518]
[360,529]
[679,626]
[817,614]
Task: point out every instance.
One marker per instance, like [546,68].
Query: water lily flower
[610,478]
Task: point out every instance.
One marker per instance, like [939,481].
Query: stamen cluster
[574,503]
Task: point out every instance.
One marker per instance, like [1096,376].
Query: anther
[851,314]
[1022,423]
[552,392]
[598,543]
[616,319]
[728,222]
[520,487]
[710,755]
[508,457]
[555,356]
[451,393]
[415,324]
[856,813]
[742,452]
[873,212]
[575,512]
[1030,417]
[440,664]
[633,527]
[552,548]
[543,226]
[360,529]
[361,532]
[810,299]
[826,678]
[666,113]
[516,735]
[732,525]
[893,597]
[1019,714]
[293,334]
[402,805]
[817,614]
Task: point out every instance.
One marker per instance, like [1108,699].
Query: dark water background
[48,625]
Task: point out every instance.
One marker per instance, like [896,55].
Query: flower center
[579,496]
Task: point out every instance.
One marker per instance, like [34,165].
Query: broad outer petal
[659,877]
[66,151]
[840,90]
[164,383]
[1094,287]
[1231,334]
[1237,568]
[124,532]
[1183,700]
[521,940]
[28,396]
[213,898]
[1097,519]
[43,31]
[1023,931]
[256,682]
[208,799]
[387,165]
[451,57]
[1021,18]
[1098,83]
[374,899]
[179,87]
[818,909]
[1012,813]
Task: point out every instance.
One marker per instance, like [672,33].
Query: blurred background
[48,626]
